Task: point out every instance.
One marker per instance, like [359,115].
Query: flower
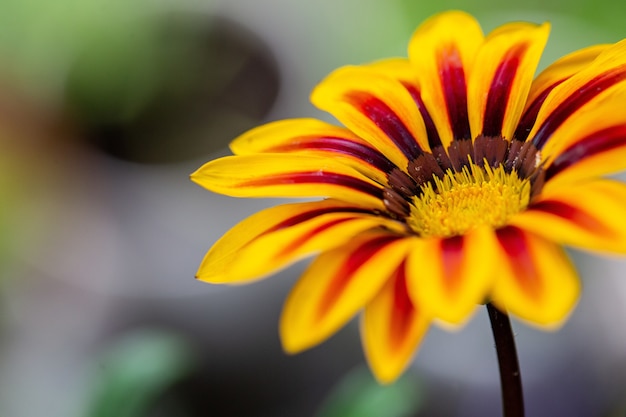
[456,180]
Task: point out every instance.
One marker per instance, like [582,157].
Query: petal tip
[293,343]
[384,377]
[455,318]
[292,338]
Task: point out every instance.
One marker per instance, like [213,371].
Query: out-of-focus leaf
[359,395]
[605,15]
[135,371]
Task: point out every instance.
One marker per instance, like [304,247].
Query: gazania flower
[456,180]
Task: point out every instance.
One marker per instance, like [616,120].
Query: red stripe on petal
[575,101]
[303,239]
[316,177]
[530,115]
[431,130]
[452,259]
[452,78]
[500,90]
[593,144]
[341,146]
[389,122]
[308,215]
[342,277]
[521,260]
[403,310]
[574,214]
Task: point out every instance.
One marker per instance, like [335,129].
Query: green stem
[510,377]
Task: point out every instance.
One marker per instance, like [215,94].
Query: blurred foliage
[359,395]
[135,371]
[196,83]
[609,14]
[144,81]
[118,72]
[586,8]
[37,39]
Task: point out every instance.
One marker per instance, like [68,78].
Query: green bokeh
[135,371]
[359,395]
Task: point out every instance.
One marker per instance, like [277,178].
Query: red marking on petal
[378,112]
[308,215]
[530,115]
[431,130]
[522,263]
[452,260]
[341,146]
[452,79]
[403,309]
[303,239]
[342,277]
[574,214]
[575,101]
[500,90]
[601,141]
[316,177]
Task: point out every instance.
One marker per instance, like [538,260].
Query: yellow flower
[455,181]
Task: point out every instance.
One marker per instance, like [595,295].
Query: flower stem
[510,377]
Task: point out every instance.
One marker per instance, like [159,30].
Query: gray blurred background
[107,106]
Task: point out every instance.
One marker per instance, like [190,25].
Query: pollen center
[461,201]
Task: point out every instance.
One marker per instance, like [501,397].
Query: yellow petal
[592,142]
[288,175]
[336,286]
[607,71]
[314,137]
[392,327]
[401,69]
[397,68]
[588,215]
[377,108]
[553,75]
[276,250]
[449,277]
[223,256]
[443,50]
[499,84]
[536,281]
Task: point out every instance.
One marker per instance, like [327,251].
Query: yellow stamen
[464,200]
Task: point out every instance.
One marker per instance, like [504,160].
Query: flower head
[455,181]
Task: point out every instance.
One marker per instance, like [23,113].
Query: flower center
[460,201]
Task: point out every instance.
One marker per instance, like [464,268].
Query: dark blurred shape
[239,368]
[175,90]
[235,394]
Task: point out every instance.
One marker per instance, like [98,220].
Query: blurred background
[107,106]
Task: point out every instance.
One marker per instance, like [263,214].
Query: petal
[443,50]
[449,277]
[375,107]
[288,175]
[592,142]
[397,68]
[499,85]
[392,328]
[549,78]
[336,286]
[588,215]
[402,70]
[536,280]
[279,236]
[604,73]
[314,137]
